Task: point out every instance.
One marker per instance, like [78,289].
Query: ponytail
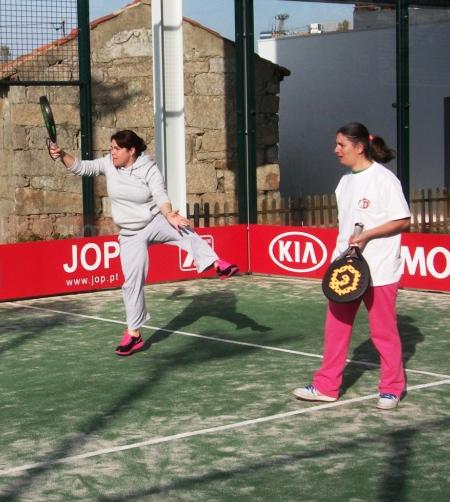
[379,151]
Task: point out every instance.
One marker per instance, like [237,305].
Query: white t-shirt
[372,197]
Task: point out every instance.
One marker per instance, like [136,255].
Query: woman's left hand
[359,240]
[177,220]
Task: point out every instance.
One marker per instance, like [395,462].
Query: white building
[351,76]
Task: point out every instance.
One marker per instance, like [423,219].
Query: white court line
[200,432]
[217,339]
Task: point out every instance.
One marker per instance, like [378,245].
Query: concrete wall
[372,16]
[38,199]
[342,77]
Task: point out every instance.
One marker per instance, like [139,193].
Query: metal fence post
[402,36]
[245,104]
[84,51]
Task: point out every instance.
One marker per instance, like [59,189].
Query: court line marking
[200,432]
[217,339]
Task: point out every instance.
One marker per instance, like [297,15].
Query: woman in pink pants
[372,195]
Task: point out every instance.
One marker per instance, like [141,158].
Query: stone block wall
[40,200]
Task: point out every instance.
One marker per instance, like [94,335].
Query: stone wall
[40,200]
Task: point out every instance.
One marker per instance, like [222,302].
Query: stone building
[40,200]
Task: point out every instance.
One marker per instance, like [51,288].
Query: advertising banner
[306,252]
[426,261]
[293,251]
[45,268]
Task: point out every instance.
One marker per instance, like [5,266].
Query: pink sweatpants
[380,303]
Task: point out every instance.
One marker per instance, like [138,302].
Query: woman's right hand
[55,151]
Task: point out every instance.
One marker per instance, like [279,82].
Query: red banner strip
[47,268]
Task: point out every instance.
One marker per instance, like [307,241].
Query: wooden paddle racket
[348,277]
[49,121]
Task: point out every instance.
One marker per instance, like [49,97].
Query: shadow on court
[22,327]
[395,478]
[390,485]
[410,335]
[221,305]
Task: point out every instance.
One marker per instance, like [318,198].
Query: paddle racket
[348,277]
[48,120]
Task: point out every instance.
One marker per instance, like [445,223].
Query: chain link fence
[38,41]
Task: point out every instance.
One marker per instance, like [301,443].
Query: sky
[218,15]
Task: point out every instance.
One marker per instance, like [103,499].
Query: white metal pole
[158,85]
[168,93]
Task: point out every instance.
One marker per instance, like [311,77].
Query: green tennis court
[206,411]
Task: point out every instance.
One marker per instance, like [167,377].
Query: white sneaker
[387,401]
[310,393]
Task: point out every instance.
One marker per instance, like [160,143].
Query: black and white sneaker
[387,401]
[310,393]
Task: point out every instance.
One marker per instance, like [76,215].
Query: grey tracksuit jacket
[136,193]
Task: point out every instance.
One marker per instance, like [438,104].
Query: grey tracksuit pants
[135,262]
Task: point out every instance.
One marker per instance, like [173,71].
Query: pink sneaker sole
[232,271]
[226,269]
[128,345]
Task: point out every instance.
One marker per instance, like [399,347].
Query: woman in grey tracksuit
[144,214]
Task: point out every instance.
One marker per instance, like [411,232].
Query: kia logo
[297,252]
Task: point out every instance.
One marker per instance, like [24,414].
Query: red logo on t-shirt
[364,203]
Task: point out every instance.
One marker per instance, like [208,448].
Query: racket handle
[359,227]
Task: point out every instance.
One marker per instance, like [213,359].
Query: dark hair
[129,139]
[375,147]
